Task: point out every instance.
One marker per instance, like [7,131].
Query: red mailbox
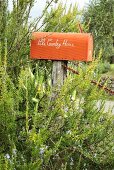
[61,46]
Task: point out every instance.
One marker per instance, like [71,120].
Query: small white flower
[42,150]
[95,155]
[68,132]
[66,109]
[72,162]
[7,156]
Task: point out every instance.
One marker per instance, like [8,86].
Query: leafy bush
[69,132]
[38,132]
[103,67]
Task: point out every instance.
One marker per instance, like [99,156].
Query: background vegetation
[36,132]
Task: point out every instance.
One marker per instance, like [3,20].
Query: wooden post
[59,74]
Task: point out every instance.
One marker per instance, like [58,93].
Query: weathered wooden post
[61,47]
[59,73]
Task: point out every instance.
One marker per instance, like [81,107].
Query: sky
[40,4]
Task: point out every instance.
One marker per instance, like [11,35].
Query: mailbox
[61,46]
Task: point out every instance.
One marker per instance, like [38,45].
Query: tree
[100,16]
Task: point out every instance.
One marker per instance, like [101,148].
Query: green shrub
[103,67]
[70,132]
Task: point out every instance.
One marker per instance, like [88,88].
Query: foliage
[103,67]
[15,31]
[8,109]
[15,34]
[100,16]
[68,132]
[38,131]
[62,19]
